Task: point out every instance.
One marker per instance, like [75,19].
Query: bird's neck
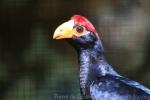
[92,65]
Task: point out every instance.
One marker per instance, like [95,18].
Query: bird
[98,80]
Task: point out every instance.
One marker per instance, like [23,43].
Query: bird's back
[117,88]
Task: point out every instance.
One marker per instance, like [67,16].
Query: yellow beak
[64,31]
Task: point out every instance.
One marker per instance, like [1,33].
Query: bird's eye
[79,29]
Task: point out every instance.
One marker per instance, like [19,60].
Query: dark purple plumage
[98,80]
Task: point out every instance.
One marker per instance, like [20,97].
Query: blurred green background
[33,66]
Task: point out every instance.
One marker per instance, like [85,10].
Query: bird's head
[79,31]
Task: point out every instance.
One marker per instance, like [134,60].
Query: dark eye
[79,29]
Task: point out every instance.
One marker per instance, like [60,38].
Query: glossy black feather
[98,80]
[111,87]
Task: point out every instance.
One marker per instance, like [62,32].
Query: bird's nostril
[61,30]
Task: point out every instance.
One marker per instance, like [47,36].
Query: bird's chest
[109,89]
[100,95]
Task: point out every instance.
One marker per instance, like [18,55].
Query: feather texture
[98,80]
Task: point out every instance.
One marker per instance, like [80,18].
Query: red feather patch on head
[80,20]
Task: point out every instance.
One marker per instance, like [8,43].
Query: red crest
[80,20]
